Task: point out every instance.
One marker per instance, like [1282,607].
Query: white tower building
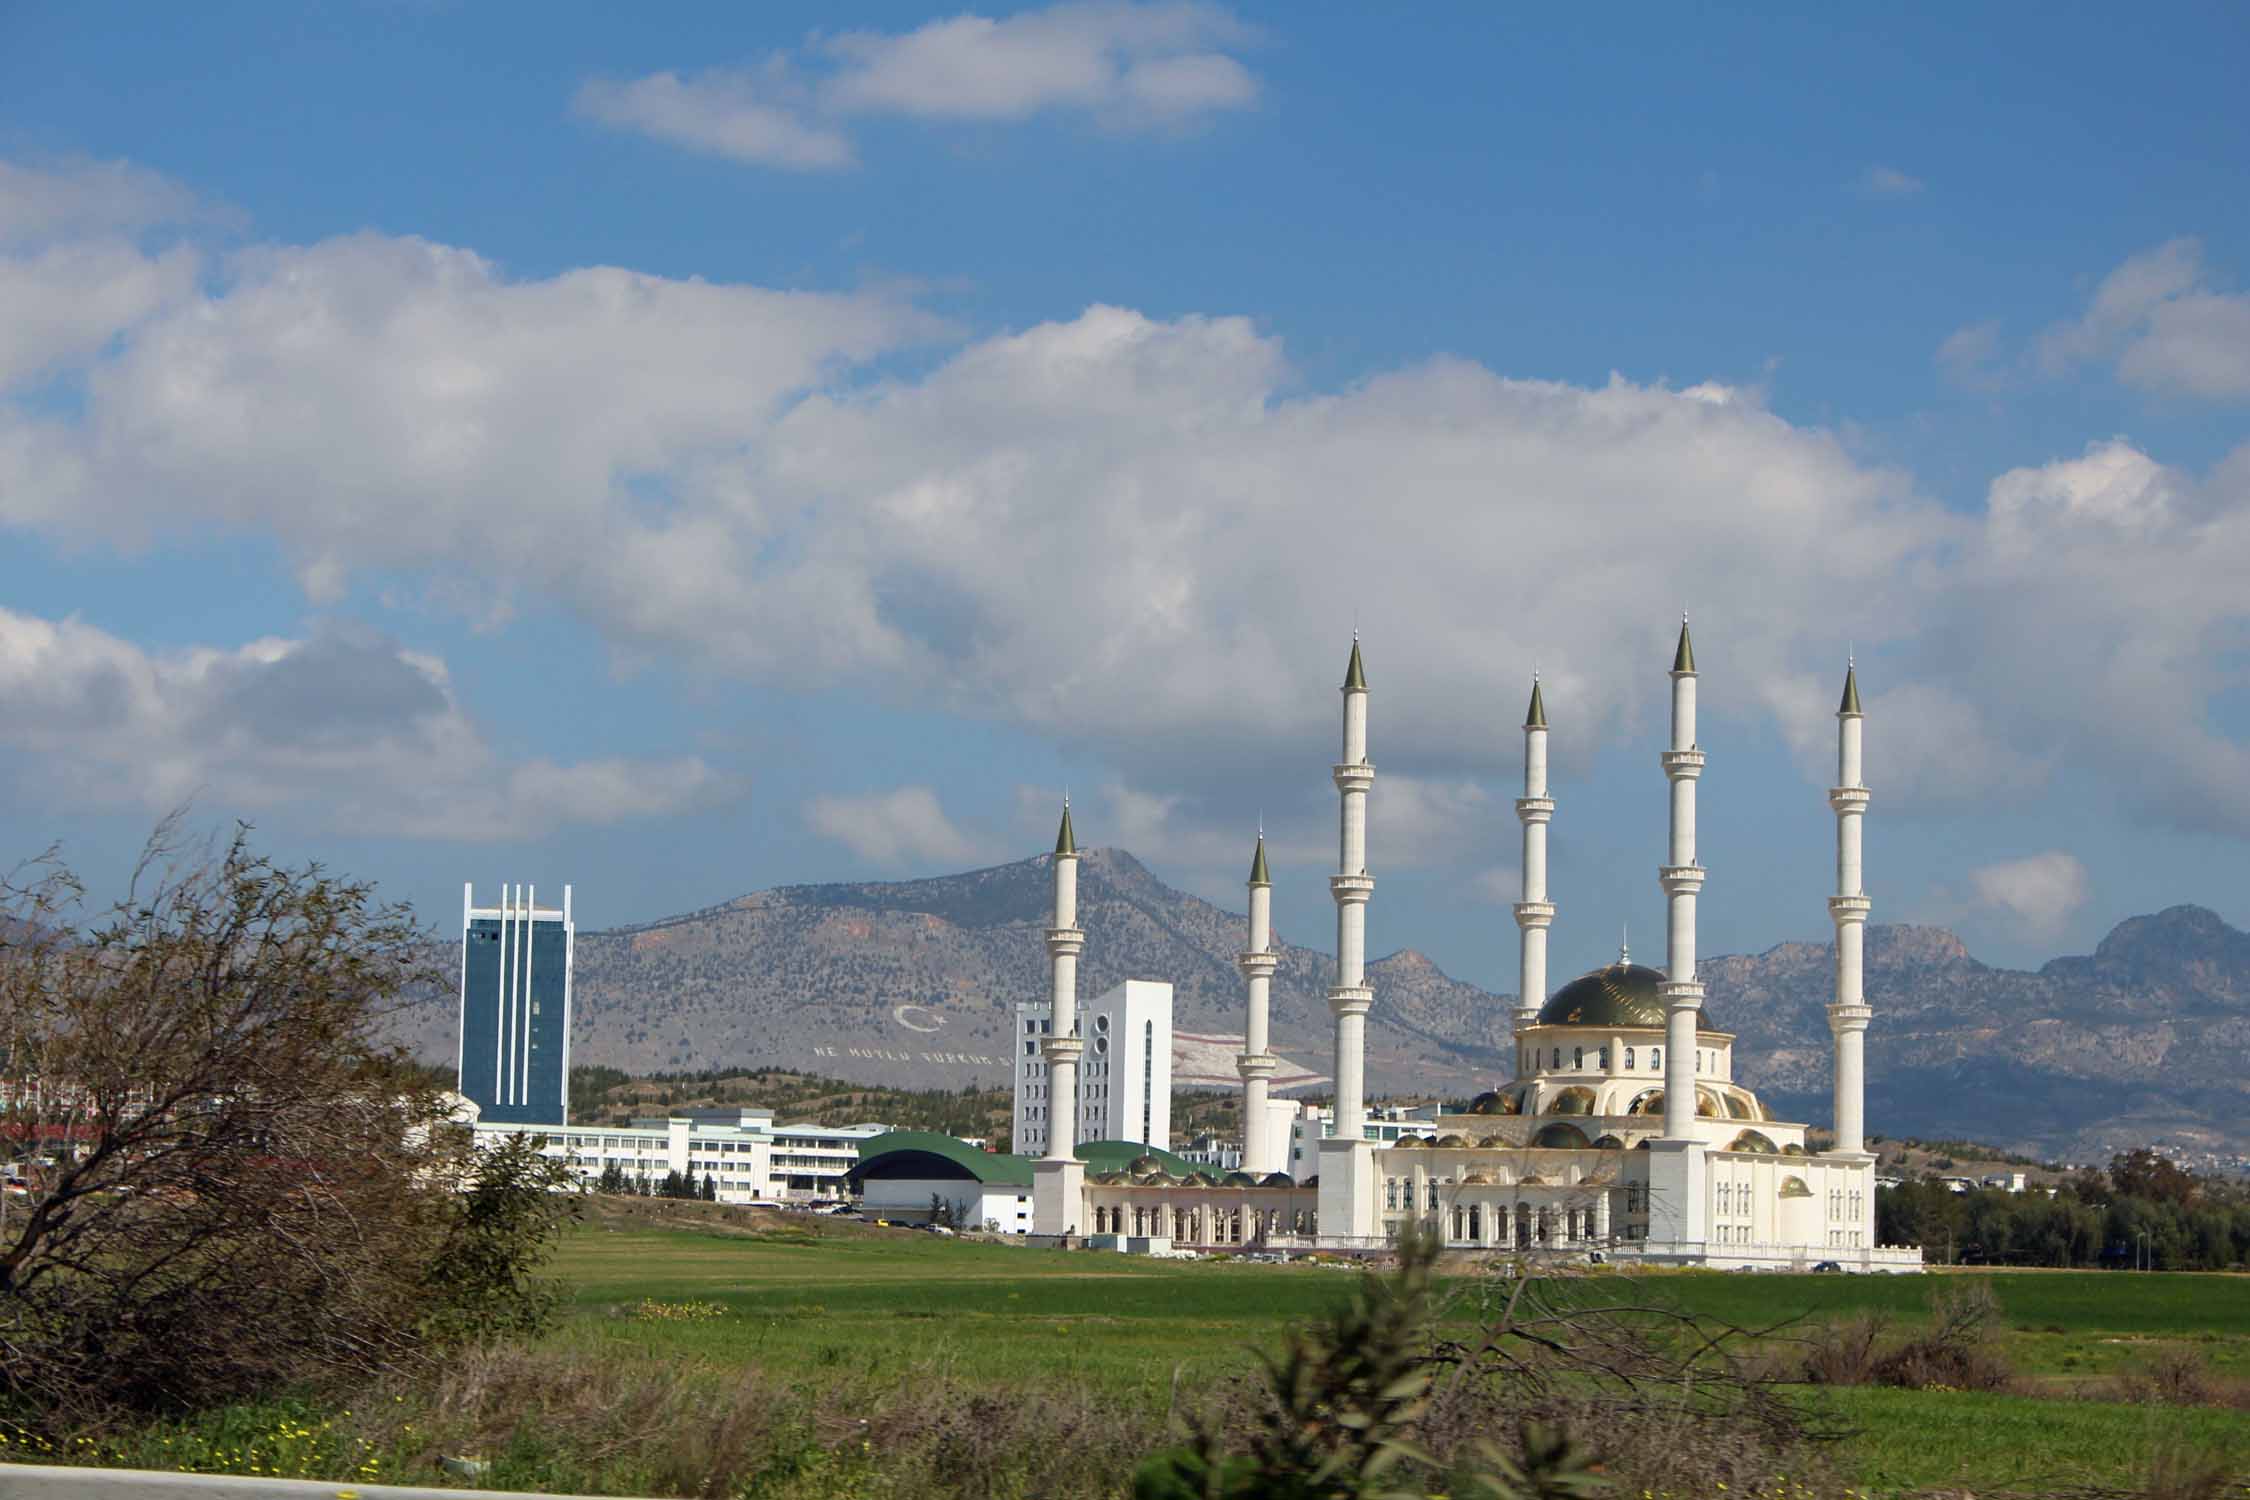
[1534,913]
[1347,1163]
[1124,1075]
[1849,1013]
[1260,1152]
[1676,1185]
[1059,1177]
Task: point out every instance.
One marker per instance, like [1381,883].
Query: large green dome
[1621,994]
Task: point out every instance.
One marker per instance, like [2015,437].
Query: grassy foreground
[870,1362]
[1155,1332]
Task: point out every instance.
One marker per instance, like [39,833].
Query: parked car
[1826,1265]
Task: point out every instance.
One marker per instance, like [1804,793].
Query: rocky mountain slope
[914,983]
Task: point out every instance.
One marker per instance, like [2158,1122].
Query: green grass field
[1143,1331]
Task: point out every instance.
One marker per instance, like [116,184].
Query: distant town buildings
[514,1057]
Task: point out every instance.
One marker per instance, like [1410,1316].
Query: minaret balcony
[1681,880]
[1849,908]
[1257,965]
[1535,914]
[1350,999]
[1352,889]
[1063,1049]
[1680,994]
[1843,1018]
[1682,765]
[1535,809]
[1256,1065]
[1355,777]
[1065,941]
[1848,800]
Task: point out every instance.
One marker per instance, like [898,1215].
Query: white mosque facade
[1623,1131]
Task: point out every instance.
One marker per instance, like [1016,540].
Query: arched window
[1656,1058]
[1628,1059]
[1601,1059]
[1558,1059]
[1578,1058]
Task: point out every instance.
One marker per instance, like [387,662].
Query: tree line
[2142,1211]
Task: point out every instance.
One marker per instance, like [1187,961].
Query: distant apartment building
[514,1061]
[1124,1077]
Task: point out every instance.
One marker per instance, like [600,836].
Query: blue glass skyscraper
[515,1007]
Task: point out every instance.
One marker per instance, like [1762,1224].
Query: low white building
[910,1175]
[1124,1077]
[747,1157]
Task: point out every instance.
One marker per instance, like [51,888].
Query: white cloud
[81,199]
[1969,354]
[1126,67]
[1888,182]
[1502,885]
[731,114]
[72,275]
[902,828]
[344,730]
[65,303]
[1144,539]
[2160,316]
[2039,893]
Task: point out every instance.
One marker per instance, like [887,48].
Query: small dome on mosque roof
[1277,1179]
[1490,1102]
[1618,994]
[1239,1179]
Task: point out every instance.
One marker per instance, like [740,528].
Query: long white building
[748,1157]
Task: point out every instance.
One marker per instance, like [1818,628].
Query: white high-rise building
[1124,1074]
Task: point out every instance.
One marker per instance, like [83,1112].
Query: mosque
[1623,1131]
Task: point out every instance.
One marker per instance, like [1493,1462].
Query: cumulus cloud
[345,729]
[1126,67]
[73,275]
[2039,893]
[2162,318]
[1888,182]
[1146,540]
[902,828]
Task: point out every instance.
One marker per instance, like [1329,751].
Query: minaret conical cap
[1536,716]
[1683,660]
[1066,842]
[1850,705]
[1258,874]
[1355,675]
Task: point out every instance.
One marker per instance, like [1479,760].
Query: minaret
[1681,878]
[1063,1046]
[1534,913]
[1349,998]
[1256,1064]
[1849,1013]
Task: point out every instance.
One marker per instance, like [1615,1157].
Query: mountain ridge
[915,982]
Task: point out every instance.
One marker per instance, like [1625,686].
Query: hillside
[913,983]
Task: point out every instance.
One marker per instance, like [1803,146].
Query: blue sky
[686,453]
